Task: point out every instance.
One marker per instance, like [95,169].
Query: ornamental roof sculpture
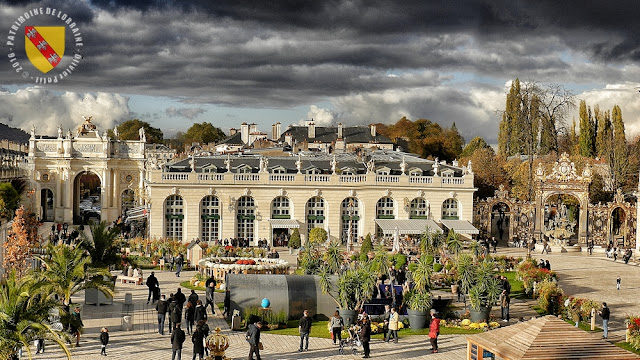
[564,170]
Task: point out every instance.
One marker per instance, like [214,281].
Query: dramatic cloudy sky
[174,63]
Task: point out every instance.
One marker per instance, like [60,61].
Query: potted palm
[349,291]
[484,292]
[418,300]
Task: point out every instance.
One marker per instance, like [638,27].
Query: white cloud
[320,116]
[47,109]
[624,95]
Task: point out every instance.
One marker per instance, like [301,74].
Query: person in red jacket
[434,331]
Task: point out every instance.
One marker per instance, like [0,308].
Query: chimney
[233,131]
[312,130]
[253,128]
[373,130]
[244,132]
[340,131]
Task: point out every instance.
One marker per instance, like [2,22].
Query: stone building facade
[255,197]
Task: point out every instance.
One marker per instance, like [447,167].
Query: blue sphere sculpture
[265,303]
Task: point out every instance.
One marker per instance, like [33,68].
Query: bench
[130,279]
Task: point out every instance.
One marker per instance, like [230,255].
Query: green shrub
[549,297]
[363,257]
[294,240]
[400,260]
[367,245]
[437,267]
[429,259]
[412,266]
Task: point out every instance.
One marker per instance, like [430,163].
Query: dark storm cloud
[285,54]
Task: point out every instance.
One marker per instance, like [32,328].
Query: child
[104,339]
[618,283]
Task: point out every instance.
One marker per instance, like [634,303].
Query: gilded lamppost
[217,344]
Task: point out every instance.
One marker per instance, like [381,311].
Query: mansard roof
[321,161]
[329,134]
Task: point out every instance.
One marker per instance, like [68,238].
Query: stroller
[353,341]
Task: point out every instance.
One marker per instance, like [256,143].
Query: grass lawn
[319,330]
[628,347]
[583,325]
[517,290]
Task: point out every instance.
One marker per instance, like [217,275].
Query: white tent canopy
[406,226]
[460,226]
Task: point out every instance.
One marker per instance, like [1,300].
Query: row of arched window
[315,215]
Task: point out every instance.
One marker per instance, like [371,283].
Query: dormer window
[313,171]
[447,173]
[209,169]
[348,171]
[278,170]
[244,169]
[383,171]
[415,172]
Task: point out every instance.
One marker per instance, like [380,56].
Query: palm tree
[68,271]
[103,249]
[23,317]
[454,244]
[333,258]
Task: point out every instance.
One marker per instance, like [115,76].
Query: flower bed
[218,267]
[529,272]
[468,324]
[633,330]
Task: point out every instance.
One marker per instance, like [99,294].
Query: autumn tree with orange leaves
[22,239]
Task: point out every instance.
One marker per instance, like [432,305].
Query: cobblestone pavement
[580,275]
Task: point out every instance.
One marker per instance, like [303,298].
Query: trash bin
[235,322]
[127,323]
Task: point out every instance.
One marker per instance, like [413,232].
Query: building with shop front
[255,197]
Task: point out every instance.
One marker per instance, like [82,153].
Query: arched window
[128,200]
[246,216]
[280,208]
[174,215]
[418,209]
[350,218]
[315,213]
[450,209]
[385,208]
[210,218]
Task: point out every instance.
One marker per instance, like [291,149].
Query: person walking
[104,340]
[176,315]
[152,284]
[618,280]
[604,314]
[177,339]
[337,325]
[180,298]
[210,295]
[198,343]
[193,297]
[385,318]
[200,312]
[179,261]
[505,300]
[253,337]
[227,303]
[162,307]
[76,324]
[365,337]
[189,315]
[171,304]
[434,330]
[393,326]
[305,329]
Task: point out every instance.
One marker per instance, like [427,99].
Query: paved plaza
[581,275]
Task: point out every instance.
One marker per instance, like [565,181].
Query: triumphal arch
[83,175]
